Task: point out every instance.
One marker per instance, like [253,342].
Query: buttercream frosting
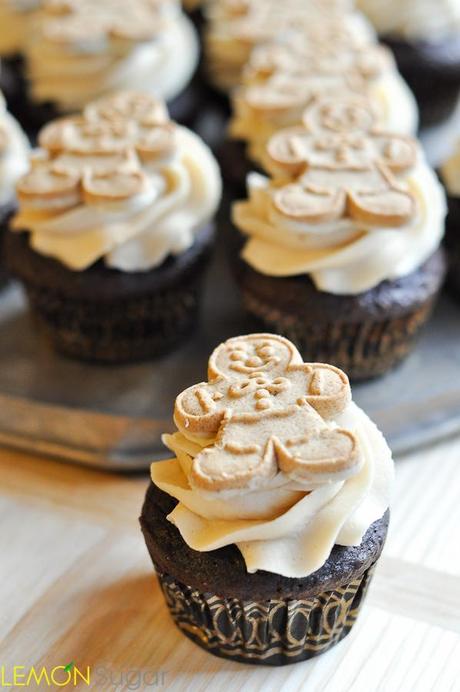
[120,183]
[91,49]
[413,19]
[285,523]
[14,154]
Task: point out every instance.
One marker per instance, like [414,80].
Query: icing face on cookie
[342,166]
[268,411]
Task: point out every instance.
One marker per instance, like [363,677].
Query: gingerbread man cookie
[99,156]
[342,165]
[290,74]
[268,412]
[76,21]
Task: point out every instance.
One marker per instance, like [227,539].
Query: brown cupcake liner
[274,632]
[363,349]
[129,330]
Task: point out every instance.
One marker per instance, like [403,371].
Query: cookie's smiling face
[247,357]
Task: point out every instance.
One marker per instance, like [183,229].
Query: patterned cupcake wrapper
[275,632]
[363,350]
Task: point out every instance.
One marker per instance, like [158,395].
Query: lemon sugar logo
[58,676]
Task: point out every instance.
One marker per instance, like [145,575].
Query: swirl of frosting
[14,154]
[317,493]
[121,182]
[79,51]
[413,19]
[349,205]
[235,28]
[281,79]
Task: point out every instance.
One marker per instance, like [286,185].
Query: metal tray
[113,417]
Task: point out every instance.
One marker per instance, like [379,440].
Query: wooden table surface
[76,585]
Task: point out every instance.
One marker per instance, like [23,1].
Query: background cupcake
[425,38]
[78,51]
[113,229]
[450,174]
[14,161]
[282,78]
[235,28]
[342,252]
[264,545]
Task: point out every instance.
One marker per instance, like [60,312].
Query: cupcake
[450,175]
[114,229]
[14,161]
[282,78]
[266,524]
[425,38]
[340,247]
[234,28]
[79,50]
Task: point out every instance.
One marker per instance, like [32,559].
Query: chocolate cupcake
[342,252]
[425,39]
[113,229]
[282,78]
[265,526]
[450,175]
[76,52]
[14,161]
